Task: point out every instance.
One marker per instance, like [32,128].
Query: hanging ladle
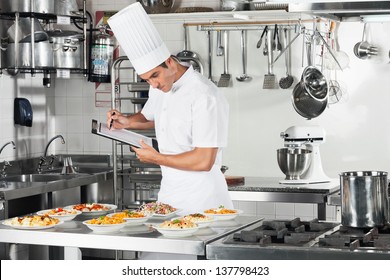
[364,49]
[243,77]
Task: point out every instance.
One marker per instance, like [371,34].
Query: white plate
[61,217]
[32,227]
[200,224]
[132,221]
[166,215]
[104,228]
[176,232]
[99,212]
[220,217]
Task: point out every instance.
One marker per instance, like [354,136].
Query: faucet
[43,160]
[3,174]
[10,142]
[51,140]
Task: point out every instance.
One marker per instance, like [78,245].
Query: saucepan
[364,199]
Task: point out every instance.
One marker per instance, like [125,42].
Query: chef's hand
[146,153]
[116,119]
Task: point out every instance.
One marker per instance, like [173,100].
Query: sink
[81,170]
[31,178]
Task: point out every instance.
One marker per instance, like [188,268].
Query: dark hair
[175,58]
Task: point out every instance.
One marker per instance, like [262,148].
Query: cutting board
[233,181]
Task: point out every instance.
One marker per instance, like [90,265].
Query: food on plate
[157,208]
[197,218]
[178,224]
[32,221]
[221,210]
[90,207]
[128,215]
[61,212]
[106,220]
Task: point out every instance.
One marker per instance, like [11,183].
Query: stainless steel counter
[268,189]
[73,235]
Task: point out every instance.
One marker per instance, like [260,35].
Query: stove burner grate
[293,232]
[353,238]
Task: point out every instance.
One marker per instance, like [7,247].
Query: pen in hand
[113,113]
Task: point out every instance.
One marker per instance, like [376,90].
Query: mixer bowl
[293,162]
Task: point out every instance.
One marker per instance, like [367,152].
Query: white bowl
[176,232]
[132,221]
[61,217]
[224,217]
[105,228]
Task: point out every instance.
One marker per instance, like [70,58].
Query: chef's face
[162,77]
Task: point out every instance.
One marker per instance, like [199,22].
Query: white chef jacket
[194,113]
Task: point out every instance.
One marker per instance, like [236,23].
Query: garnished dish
[132,218]
[105,224]
[32,222]
[222,213]
[200,219]
[158,209]
[60,213]
[177,228]
[92,208]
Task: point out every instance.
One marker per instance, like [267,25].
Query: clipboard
[123,135]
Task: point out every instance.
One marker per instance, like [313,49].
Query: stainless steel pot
[20,31]
[58,7]
[364,199]
[19,55]
[24,6]
[157,6]
[67,48]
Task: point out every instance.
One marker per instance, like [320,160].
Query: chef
[188,112]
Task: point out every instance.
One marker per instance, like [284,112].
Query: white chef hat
[138,38]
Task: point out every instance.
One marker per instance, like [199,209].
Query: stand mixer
[309,137]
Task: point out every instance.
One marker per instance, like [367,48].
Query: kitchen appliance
[300,240]
[298,137]
[364,199]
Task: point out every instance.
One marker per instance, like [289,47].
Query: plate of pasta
[92,208]
[60,213]
[201,220]
[133,218]
[177,228]
[33,222]
[105,224]
[222,213]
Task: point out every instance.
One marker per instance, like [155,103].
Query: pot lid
[64,33]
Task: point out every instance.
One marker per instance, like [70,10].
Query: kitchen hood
[343,11]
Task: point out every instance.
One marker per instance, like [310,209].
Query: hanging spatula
[224,80]
[270,78]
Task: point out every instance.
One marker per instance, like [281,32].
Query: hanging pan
[190,56]
[310,95]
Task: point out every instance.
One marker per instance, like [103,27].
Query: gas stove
[296,239]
